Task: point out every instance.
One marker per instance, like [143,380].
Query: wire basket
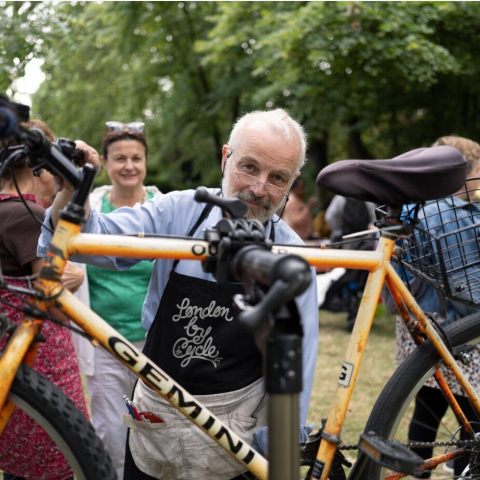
[444,248]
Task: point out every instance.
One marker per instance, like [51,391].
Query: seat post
[395,212]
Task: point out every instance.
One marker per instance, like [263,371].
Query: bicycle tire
[392,404]
[67,426]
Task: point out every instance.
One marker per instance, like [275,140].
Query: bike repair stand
[268,308]
[283,385]
[279,337]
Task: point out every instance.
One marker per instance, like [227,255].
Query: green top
[118,296]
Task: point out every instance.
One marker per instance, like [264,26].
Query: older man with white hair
[194,334]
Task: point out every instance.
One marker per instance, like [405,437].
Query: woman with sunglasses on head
[38,457]
[116,296]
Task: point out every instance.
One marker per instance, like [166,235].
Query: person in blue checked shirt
[441,218]
[193,332]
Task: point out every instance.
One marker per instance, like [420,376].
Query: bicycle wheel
[392,412]
[74,435]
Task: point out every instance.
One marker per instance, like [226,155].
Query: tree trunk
[319,156]
[356,147]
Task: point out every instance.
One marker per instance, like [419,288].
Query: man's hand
[72,277]
[65,190]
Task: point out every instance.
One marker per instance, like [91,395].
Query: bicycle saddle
[416,176]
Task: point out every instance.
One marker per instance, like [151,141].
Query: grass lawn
[377,367]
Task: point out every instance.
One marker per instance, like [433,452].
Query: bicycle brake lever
[292,277]
[253,315]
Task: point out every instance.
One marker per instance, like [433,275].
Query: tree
[366,79]
[132,61]
[22,28]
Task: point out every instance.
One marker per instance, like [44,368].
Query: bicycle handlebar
[38,146]
[265,267]
[233,206]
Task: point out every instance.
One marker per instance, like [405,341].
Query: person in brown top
[56,359]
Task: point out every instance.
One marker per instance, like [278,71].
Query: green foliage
[22,28]
[135,61]
[366,79]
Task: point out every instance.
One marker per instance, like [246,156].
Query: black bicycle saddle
[416,176]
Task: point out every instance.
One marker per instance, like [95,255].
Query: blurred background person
[116,296]
[348,215]
[340,290]
[56,359]
[298,211]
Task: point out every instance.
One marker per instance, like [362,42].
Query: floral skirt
[25,449]
[405,346]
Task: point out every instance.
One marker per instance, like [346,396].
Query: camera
[11,114]
[22,112]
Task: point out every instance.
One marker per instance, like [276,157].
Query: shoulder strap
[272,233]
[205,212]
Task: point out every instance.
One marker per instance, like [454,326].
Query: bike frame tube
[13,355]
[196,249]
[447,392]
[139,247]
[351,364]
[335,258]
[9,406]
[430,464]
[434,337]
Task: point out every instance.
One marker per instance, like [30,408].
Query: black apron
[196,337]
[200,345]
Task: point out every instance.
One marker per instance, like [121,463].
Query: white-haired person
[263,157]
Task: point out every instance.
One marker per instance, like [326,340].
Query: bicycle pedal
[309,450]
[392,455]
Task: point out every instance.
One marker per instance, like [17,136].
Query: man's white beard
[265,209]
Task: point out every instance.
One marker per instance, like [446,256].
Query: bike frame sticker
[346,374]
[318,468]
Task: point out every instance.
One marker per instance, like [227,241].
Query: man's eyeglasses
[133,127]
[253,181]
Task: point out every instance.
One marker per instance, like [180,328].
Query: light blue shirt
[175,214]
[446,218]
[452,219]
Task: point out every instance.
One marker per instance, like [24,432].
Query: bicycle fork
[21,347]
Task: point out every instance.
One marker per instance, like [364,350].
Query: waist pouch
[178,449]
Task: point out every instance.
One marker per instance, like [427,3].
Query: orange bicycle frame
[68,240]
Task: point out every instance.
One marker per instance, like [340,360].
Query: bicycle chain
[458,443]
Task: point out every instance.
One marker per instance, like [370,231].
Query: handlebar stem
[75,211]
